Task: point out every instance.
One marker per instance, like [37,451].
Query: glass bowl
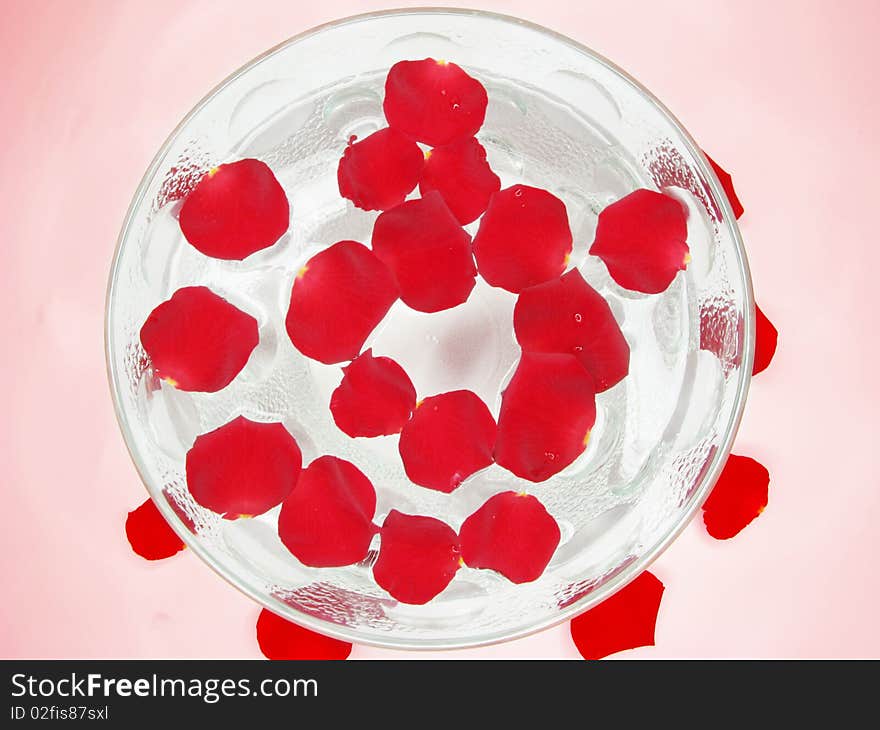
[559,117]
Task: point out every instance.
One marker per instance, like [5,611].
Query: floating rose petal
[281,639]
[449,437]
[566,315]
[149,534]
[418,557]
[235,210]
[327,521]
[765,341]
[375,397]
[338,298]
[197,340]
[626,620]
[739,495]
[460,173]
[243,468]
[726,183]
[642,238]
[547,412]
[434,102]
[512,534]
[524,238]
[378,172]
[422,243]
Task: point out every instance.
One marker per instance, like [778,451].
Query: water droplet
[550,456]
[578,348]
[518,192]
[456,105]
[578,317]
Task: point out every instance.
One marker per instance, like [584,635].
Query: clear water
[529,138]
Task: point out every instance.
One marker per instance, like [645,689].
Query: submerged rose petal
[642,238]
[198,341]
[235,210]
[375,397]
[566,315]
[149,534]
[524,238]
[434,102]
[512,534]
[739,495]
[418,557]
[765,341]
[243,468]
[429,253]
[726,183]
[281,639]
[449,437]
[461,174]
[327,521]
[625,620]
[338,298]
[547,411]
[378,172]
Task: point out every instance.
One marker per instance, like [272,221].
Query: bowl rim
[613,584]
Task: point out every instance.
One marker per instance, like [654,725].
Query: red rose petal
[149,534]
[739,495]
[765,341]
[281,639]
[726,183]
[327,600]
[243,468]
[460,173]
[375,397]
[449,437]
[721,330]
[174,501]
[626,620]
[547,411]
[434,102]
[524,238]
[378,172]
[721,327]
[197,340]
[512,534]
[566,315]
[428,252]
[235,210]
[418,557]
[338,298]
[642,238]
[327,520]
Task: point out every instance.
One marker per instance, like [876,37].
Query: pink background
[781,93]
